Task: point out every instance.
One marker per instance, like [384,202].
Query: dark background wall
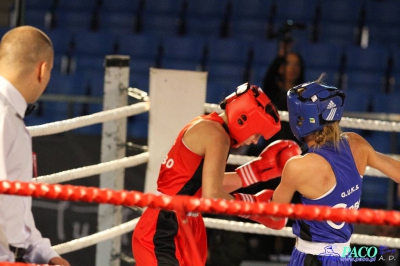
[62,221]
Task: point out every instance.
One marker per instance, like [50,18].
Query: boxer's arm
[231,182]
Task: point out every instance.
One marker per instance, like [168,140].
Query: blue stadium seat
[39,4]
[384,35]
[369,59]
[374,192]
[160,25]
[35,18]
[73,20]
[227,51]
[365,80]
[180,65]
[207,8]
[228,75]
[203,26]
[336,33]
[163,7]
[94,43]
[139,46]
[256,9]
[128,6]
[249,29]
[297,11]
[387,103]
[183,48]
[120,23]
[140,81]
[3,30]
[140,70]
[321,55]
[60,39]
[77,5]
[138,126]
[216,92]
[312,74]
[357,100]
[90,63]
[340,11]
[383,13]
[264,53]
[65,84]
[94,80]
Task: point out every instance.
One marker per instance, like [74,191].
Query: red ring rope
[190,204]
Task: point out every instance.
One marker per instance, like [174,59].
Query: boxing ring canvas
[177,96]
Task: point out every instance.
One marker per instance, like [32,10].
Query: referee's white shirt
[16,219]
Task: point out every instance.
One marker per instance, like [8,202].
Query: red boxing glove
[269,164]
[262,196]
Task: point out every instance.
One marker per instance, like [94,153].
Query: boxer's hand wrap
[269,164]
[262,196]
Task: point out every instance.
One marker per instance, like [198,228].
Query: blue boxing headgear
[311,106]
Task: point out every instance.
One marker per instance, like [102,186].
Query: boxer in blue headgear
[330,174]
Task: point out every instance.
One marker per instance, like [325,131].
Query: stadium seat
[35,18]
[140,46]
[228,75]
[163,7]
[312,74]
[374,192]
[358,100]
[184,48]
[296,11]
[264,52]
[369,59]
[383,13]
[365,80]
[128,6]
[61,40]
[227,51]
[90,63]
[40,4]
[204,27]
[255,9]
[321,55]
[77,5]
[249,29]
[340,11]
[216,92]
[337,33]
[207,8]
[94,43]
[119,23]
[160,25]
[73,20]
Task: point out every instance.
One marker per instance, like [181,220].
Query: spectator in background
[26,60]
[285,72]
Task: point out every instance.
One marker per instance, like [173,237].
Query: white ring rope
[100,117]
[358,123]
[69,124]
[98,237]
[251,228]
[91,170]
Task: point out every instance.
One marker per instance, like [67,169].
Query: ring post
[116,82]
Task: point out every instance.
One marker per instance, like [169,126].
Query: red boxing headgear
[249,112]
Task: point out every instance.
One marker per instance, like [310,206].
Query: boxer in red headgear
[195,166]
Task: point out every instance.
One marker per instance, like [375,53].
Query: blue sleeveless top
[345,194]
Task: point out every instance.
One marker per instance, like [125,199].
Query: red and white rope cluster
[186,204]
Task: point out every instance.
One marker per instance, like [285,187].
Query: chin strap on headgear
[311,106]
[250,112]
